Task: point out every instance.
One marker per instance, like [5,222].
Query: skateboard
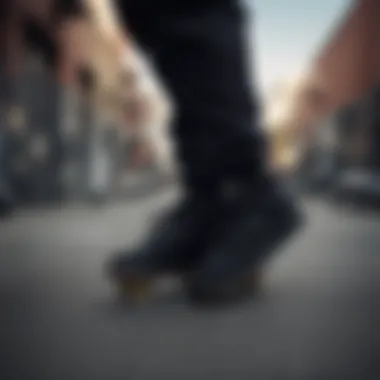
[137,290]
[140,290]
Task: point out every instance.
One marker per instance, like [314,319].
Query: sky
[287,33]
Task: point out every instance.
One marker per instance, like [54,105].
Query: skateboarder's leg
[172,36]
[199,49]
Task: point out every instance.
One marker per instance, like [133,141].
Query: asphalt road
[317,318]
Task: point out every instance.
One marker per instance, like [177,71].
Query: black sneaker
[256,225]
[174,246]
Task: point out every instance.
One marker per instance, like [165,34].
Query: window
[40,42]
[68,8]
[86,79]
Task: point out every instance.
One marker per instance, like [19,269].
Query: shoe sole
[140,289]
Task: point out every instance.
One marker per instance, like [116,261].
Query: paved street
[315,320]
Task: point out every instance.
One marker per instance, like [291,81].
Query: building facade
[344,71]
[347,66]
[69,38]
[62,105]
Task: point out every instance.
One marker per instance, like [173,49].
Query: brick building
[344,71]
[347,66]
[69,39]
[34,28]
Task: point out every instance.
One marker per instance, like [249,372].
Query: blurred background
[84,123]
[79,110]
[84,117]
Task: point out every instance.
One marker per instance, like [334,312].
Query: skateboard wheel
[248,284]
[251,283]
[257,279]
[134,290]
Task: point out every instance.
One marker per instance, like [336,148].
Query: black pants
[198,47]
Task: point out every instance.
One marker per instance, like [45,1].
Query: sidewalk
[316,319]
